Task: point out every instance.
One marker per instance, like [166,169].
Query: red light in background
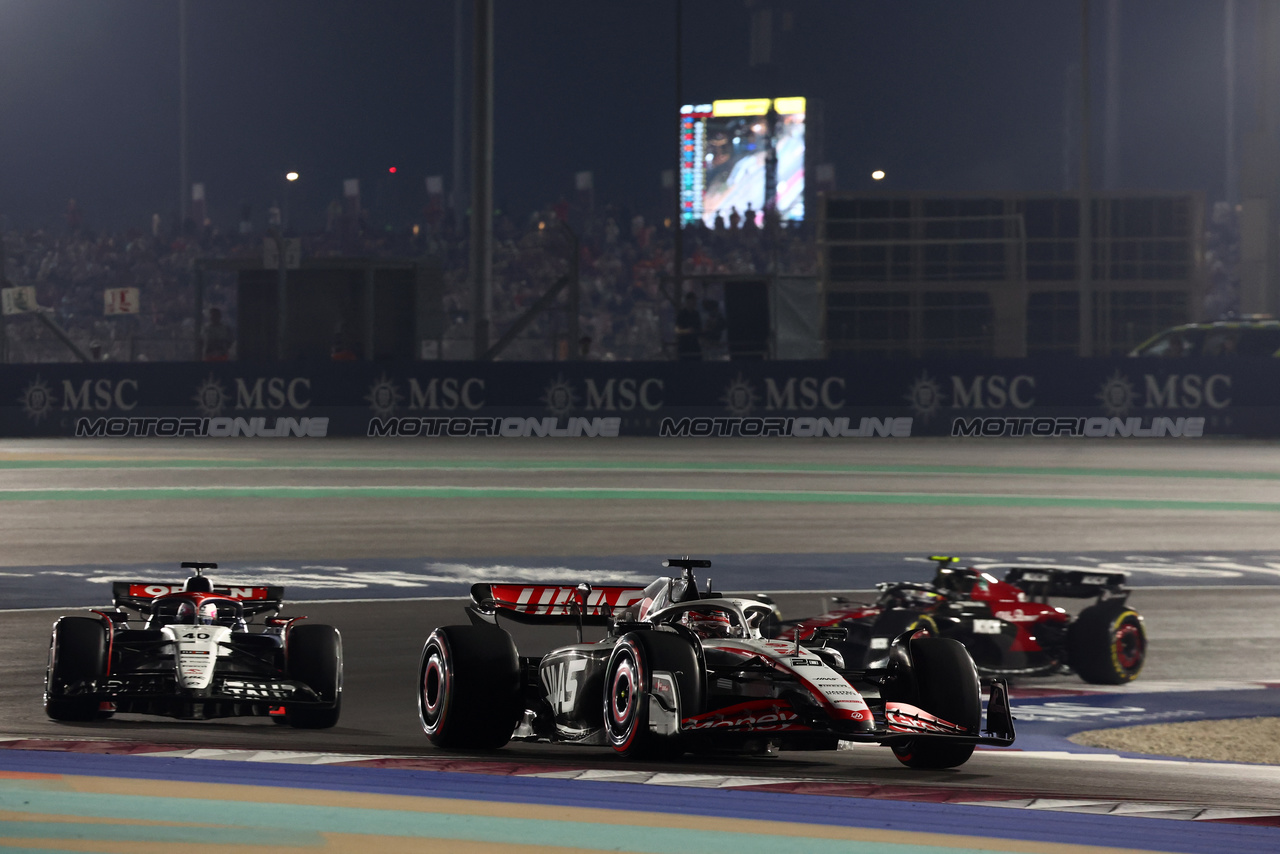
[392,170]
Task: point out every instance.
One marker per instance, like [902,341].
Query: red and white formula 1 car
[681,670]
[194,657]
[1009,626]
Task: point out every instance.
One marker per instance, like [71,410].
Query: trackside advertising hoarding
[836,400]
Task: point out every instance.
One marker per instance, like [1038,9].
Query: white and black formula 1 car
[194,657]
[682,670]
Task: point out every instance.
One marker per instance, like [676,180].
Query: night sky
[943,95]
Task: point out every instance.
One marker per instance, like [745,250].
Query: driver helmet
[951,581]
[708,622]
[207,614]
[917,596]
[186,613]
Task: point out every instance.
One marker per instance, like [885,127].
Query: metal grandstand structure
[996,275]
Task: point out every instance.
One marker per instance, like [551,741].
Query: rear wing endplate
[998,730]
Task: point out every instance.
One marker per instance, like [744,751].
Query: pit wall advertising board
[834,399]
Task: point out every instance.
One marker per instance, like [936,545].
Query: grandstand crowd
[1222,261]
[627,310]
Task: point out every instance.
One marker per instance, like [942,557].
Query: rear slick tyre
[947,686]
[469,687]
[1107,644]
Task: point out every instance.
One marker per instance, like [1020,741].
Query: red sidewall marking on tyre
[630,668]
[433,684]
[1128,646]
[623,674]
[441,662]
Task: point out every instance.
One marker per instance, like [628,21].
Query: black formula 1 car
[1008,626]
[194,657]
[682,670]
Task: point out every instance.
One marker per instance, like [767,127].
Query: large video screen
[724,151]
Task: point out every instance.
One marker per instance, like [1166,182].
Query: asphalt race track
[134,505]
[382,642]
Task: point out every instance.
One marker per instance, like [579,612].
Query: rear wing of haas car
[1040,582]
[554,604]
[139,595]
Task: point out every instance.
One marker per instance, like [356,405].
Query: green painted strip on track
[423,825]
[640,465]
[627,494]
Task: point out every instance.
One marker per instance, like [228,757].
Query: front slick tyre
[77,657]
[1107,644]
[947,686]
[628,682]
[469,687]
[314,657]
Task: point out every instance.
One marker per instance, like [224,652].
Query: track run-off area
[380,537]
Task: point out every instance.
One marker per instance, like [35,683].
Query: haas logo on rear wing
[551,603]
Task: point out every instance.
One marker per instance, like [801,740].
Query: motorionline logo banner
[526,427]
[222,427]
[1090,428]
[801,427]
[512,427]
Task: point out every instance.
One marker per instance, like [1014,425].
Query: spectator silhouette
[713,326]
[688,329]
[74,218]
[218,338]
